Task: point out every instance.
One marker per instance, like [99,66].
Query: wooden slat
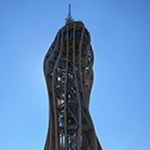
[48,144]
[53,93]
[76,84]
[65,93]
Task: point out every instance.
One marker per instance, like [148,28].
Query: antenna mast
[69,18]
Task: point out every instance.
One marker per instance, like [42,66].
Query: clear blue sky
[120,101]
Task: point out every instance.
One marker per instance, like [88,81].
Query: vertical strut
[65,93]
[78,96]
[48,144]
[53,93]
[84,76]
[81,81]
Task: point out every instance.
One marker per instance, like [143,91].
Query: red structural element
[69,76]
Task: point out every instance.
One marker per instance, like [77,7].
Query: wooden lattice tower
[69,76]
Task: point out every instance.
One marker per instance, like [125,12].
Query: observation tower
[69,77]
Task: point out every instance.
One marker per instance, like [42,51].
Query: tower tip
[69,18]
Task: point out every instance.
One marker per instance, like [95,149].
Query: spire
[69,10]
[69,18]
